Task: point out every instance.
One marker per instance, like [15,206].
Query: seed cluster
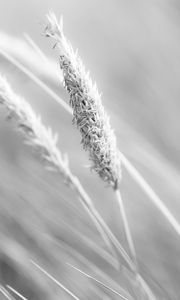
[36,134]
[88,113]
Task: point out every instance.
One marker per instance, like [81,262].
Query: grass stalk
[98,281]
[16,292]
[126,227]
[138,178]
[36,79]
[36,48]
[55,280]
[5,293]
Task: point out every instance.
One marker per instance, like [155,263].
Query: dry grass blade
[5,293]
[126,227]
[128,260]
[55,281]
[25,53]
[115,242]
[97,271]
[146,287]
[37,80]
[150,192]
[16,292]
[98,281]
[36,48]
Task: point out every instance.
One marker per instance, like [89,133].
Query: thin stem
[16,292]
[150,192]
[37,80]
[131,264]
[145,287]
[55,281]
[6,293]
[95,217]
[36,47]
[126,226]
[99,222]
[99,282]
[115,242]
[93,213]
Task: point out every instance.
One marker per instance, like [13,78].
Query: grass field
[132,51]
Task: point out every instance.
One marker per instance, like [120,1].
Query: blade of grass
[55,280]
[16,292]
[38,81]
[112,238]
[130,263]
[126,227]
[6,293]
[35,47]
[98,281]
[150,192]
[97,271]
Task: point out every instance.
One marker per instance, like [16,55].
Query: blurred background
[132,49]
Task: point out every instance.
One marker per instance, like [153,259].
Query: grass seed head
[36,134]
[88,113]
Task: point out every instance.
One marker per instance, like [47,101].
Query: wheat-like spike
[89,115]
[36,135]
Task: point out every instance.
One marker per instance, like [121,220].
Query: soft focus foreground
[132,50]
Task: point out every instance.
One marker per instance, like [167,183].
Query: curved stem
[150,192]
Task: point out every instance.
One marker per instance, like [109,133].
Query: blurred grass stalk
[24,50]
[5,293]
[16,292]
[98,281]
[55,280]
